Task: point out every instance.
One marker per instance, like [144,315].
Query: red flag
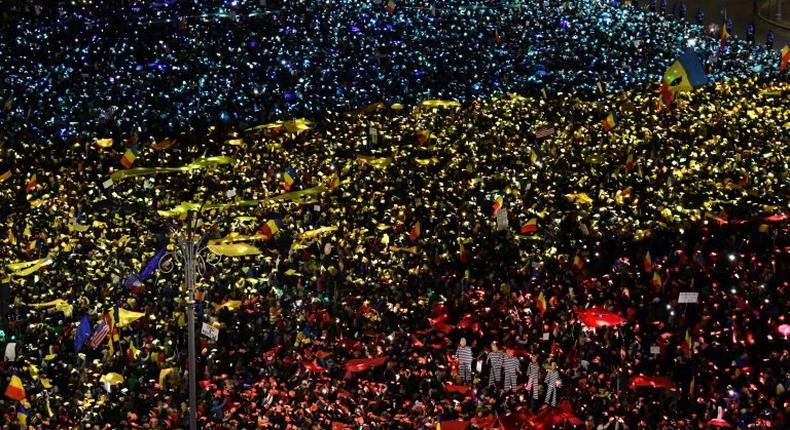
[415,232]
[599,317]
[785,58]
[652,381]
[363,364]
[453,388]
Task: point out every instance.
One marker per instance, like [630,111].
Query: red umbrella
[652,381]
[784,330]
[599,317]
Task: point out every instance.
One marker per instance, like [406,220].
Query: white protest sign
[688,297]
[210,331]
[501,220]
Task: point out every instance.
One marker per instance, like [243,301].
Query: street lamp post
[193,256]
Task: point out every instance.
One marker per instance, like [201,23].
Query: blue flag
[84,332]
[147,271]
[152,265]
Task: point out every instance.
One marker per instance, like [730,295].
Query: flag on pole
[657,282]
[609,122]
[127,161]
[686,73]
[498,202]
[289,178]
[785,58]
[578,262]
[415,232]
[32,184]
[724,36]
[99,335]
[540,302]
[687,344]
[530,227]
[15,389]
[21,414]
[84,333]
[647,263]
[271,227]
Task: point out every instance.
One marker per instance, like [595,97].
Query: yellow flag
[234,250]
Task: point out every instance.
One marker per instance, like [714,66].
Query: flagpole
[189,275]
[190,253]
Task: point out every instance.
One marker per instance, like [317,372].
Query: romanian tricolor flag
[498,202]
[609,122]
[666,95]
[578,262]
[530,227]
[785,58]
[657,281]
[540,302]
[289,178]
[334,181]
[686,73]
[391,6]
[647,263]
[629,162]
[15,389]
[21,414]
[271,227]
[463,254]
[415,232]
[127,161]
[724,36]
[32,184]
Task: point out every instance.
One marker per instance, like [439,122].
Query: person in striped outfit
[552,383]
[512,368]
[464,356]
[495,360]
[533,379]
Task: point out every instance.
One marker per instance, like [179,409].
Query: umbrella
[718,422]
[784,330]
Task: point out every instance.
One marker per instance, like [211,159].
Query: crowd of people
[506,262]
[81,70]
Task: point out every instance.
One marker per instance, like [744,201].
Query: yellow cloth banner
[29,267]
[200,163]
[286,197]
[234,237]
[231,305]
[296,126]
[377,162]
[60,305]
[317,232]
[440,103]
[234,250]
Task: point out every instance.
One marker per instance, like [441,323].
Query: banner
[200,163]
